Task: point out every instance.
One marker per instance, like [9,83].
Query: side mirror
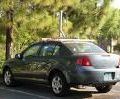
[18,56]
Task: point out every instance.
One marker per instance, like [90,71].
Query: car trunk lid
[102,60]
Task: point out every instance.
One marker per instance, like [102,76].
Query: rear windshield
[84,48]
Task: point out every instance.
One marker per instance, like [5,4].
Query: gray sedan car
[64,63]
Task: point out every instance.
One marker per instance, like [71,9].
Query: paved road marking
[23,92]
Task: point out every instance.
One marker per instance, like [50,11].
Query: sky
[116,4]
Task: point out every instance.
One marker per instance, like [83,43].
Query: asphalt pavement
[42,91]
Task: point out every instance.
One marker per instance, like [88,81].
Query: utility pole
[61,33]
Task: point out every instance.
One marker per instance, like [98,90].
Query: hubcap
[7,78]
[57,84]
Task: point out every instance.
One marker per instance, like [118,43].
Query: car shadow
[45,90]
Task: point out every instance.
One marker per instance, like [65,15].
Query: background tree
[23,22]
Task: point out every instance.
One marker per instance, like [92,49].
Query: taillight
[118,66]
[119,61]
[83,61]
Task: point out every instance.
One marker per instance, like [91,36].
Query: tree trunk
[8,42]
[103,42]
[9,31]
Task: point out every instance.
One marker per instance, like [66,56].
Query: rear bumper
[91,76]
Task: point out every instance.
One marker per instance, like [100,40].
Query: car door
[24,65]
[52,56]
[43,62]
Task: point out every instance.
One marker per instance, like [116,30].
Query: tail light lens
[83,61]
[118,63]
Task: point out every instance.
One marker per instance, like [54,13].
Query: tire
[104,88]
[8,78]
[59,85]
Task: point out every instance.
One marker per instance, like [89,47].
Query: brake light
[83,61]
[119,61]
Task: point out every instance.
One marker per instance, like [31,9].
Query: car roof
[45,42]
[63,41]
[67,40]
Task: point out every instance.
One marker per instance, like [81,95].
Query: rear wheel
[8,78]
[59,85]
[104,88]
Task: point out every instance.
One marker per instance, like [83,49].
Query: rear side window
[84,48]
[64,51]
[47,50]
[53,50]
[56,51]
[61,51]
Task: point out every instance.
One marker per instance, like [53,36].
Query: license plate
[107,76]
